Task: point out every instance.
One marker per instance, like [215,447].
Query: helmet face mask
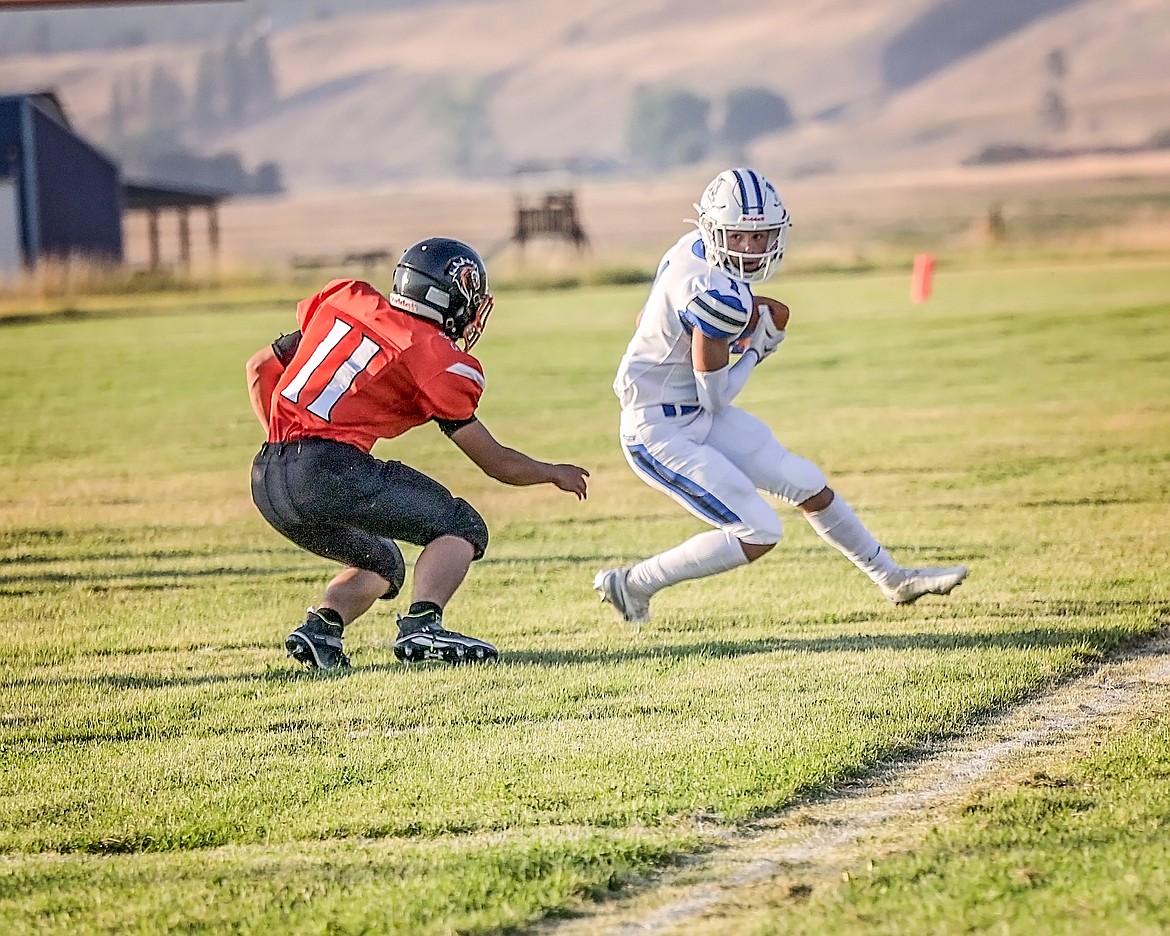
[477,323]
[743,200]
[444,281]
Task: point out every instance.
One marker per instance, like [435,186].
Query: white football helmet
[743,200]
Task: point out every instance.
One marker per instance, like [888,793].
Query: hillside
[1117,91]
[369,98]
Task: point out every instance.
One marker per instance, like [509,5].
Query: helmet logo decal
[444,281]
[464,273]
[742,200]
[712,193]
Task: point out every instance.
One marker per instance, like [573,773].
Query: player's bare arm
[709,354]
[510,466]
[764,333]
[263,371]
[717,381]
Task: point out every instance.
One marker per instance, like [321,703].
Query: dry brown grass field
[1090,205]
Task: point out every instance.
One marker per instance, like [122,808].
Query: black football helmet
[445,281]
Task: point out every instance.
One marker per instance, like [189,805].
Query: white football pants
[716,466]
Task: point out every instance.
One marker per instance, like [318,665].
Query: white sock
[838,524]
[705,554]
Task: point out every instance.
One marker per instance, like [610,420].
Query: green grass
[1079,851]
[165,767]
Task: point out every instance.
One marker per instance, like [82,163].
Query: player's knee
[753,551]
[819,501]
[765,532]
[466,523]
[802,479]
[392,568]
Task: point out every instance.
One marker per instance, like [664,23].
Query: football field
[166,769]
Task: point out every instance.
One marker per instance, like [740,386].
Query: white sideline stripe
[466,370]
[812,832]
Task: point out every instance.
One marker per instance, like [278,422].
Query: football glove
[767,337]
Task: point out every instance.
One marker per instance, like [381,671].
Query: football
[779,312]
[779,316]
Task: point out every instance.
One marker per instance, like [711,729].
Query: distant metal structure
[60,197]
[63,198]
[555,215]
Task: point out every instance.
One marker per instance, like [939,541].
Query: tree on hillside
[134,105]
[231,83]
[268,179]
[224,171]
[116,116]
[668,127]
[1056,64]
[462,113]
[207,98]
[261,76]
[166,102]
[1053,109]
[752,112]
[235,83]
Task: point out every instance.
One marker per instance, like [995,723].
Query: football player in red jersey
[363,367]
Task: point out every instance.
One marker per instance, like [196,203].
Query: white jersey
[712,463]
[687,293]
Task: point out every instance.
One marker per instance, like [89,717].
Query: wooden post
[213,232]
[184,238]
[152,233]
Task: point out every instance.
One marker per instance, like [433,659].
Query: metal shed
[60,197]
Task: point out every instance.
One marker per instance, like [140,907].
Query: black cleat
[317,644]
[423,637]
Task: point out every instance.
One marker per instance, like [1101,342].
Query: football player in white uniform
[680,432]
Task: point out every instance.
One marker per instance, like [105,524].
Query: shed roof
[140,195]
[46,100]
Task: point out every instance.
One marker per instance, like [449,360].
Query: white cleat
[611,585]
[918,582]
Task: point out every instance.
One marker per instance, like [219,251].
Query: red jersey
[366,371]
